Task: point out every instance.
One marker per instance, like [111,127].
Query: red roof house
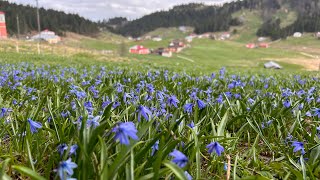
[263,45]
[251,45]
[138,49]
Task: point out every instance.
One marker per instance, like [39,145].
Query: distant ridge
[57,21]
[206,18]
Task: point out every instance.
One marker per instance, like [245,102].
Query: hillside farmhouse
[318,35]
[48,36]
[297,34]
[176,46]
[163,52]
[225,36]
[251,46]
[156,38]
[263,45]
[138,49]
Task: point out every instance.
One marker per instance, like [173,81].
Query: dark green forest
[57,21]
[216,18]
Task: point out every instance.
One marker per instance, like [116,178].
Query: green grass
[210,55]
[252,22]
[170,33]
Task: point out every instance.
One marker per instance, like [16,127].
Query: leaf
[28,172]
[222,124]
[176,170]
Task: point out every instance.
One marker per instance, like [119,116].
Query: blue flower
[34,126]
[308,114]
[188,108]
[73,149]
[316,112]
[173,101]
[93,121]
[201,104]
[124,131]
[298,146]
[191,125]
[155,147]
[287,103]
[220,99]
[145,112]
[215,146]
[61,148]
[189,177]
[179,158]
[4,112]
[65,170]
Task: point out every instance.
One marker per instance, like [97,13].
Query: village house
[48,36]
[297,34]
[251,46]
[261,39]
[205,35]
[147,37]
[189,39]
[138,49]
[183,29]
[225,36]
[176,46]
[163,52]
[318,35]
[157,38]
[263,45]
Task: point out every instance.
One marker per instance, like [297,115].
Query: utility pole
[39,28]
[18,36]
[18,27]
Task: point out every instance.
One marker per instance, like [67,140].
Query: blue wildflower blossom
[155,147]
[179,158]
[316,112]
[188,176]
[308,114]
[73,149]
[65,170]
[215,146]
[200,104]
[4,112]
[191,125]
[144,111]
[125,130]
[188,108]
[34,126]
[287,103]
[61,148]
[298,146]
[173,101]
[93,121]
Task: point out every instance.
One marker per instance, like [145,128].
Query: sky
[105,9]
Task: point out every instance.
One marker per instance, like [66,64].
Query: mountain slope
[279,18]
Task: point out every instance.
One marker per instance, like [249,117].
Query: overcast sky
[105,9]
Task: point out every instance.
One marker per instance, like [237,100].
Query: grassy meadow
[209,112]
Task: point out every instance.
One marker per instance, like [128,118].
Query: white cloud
[103,9]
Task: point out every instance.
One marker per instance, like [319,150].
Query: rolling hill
[277,18]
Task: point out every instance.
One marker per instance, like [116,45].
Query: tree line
[57,21]
[308,20]
[202,17]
